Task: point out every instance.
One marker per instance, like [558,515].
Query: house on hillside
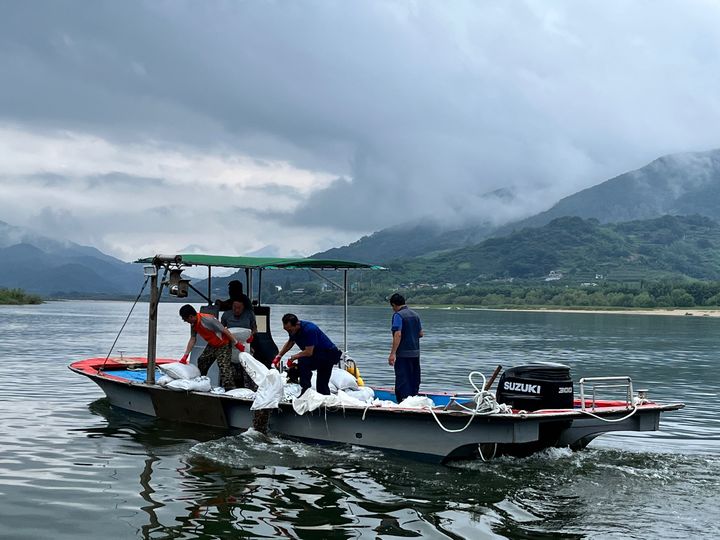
[554,276]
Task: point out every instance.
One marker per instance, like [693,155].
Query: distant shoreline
[673,312]
[18,297]
[659,311]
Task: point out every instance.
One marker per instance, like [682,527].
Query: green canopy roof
[190,259]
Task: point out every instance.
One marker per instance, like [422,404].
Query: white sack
[269,392]
[342,380]
[363,393]
[416,402]
[339,380]
[162,381]
[176,370]
[241,334]
[255,369]
[198,384]
[244,393]
[290,390]
[201,384]
[384,403]
[311,400]
[347,400]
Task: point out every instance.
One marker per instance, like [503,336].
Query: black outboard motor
[542,385]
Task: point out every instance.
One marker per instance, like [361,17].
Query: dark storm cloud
[417,108]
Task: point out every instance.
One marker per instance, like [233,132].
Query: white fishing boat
[534,407]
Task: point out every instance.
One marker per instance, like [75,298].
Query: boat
[534,407]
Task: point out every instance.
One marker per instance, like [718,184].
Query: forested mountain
[677,184]
[408,240]
[582,250]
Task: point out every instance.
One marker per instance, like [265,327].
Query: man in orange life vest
[219,340]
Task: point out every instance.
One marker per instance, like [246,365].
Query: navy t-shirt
[408,323]
[309,334]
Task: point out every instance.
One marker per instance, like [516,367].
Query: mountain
[50,267]
[677,184]
[407,240]
[581,250]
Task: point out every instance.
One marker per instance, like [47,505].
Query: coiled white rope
[485,404]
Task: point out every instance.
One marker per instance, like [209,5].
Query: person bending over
[219,340]
[317,352]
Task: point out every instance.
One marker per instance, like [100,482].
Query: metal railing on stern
[627,385]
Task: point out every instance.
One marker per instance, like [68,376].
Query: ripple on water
[74,468]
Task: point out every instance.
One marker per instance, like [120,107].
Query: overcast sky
[289,127]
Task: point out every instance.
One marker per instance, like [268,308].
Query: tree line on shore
[662,294]
[18,297]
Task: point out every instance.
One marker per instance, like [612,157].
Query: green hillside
[581,250]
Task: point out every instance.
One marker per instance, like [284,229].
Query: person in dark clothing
[317,352]
[404,355]
[235,292]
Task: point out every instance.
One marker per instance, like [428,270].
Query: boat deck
[132,370]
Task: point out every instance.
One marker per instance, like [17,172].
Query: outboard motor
[542,385]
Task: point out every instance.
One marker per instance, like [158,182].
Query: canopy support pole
[209,296]
[259,286]
[345,311]
[152,327]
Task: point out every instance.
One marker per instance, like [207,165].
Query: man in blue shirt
[317,352]
[405,351]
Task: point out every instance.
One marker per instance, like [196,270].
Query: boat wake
[252,449]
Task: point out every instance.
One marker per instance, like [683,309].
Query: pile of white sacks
[274,388]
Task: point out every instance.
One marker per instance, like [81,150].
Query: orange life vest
[208,335]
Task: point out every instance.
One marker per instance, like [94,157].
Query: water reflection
[70,471]
[250,484]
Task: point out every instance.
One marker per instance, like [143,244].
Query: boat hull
[411,432]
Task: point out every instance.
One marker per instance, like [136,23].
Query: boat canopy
[261,263]
[178,286]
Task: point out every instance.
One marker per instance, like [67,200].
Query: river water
[73,467]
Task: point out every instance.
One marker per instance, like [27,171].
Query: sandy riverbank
[685,312]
